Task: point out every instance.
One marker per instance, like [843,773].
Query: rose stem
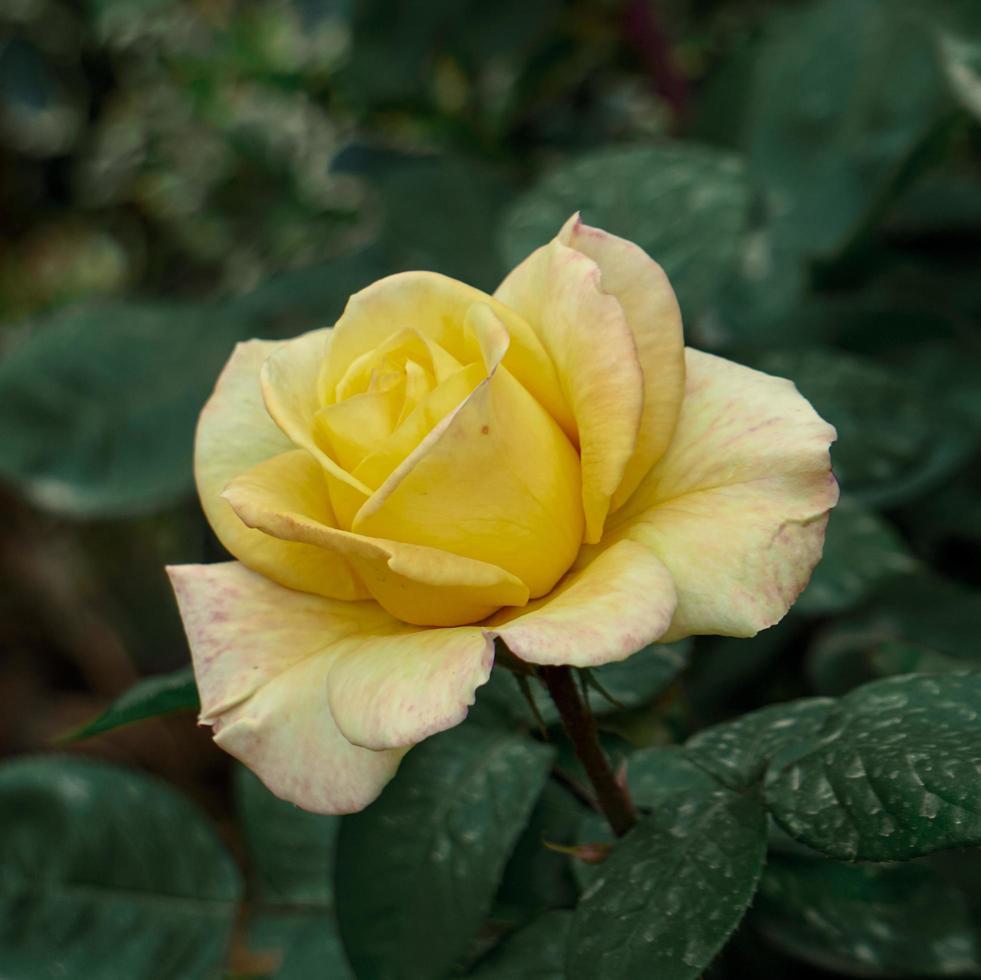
[580,726]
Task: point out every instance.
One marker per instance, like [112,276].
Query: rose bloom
[548,465]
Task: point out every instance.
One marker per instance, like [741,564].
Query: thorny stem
[614,800]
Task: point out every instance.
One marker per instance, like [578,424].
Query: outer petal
[270,662]
[643,290]
[616,601]
[436,306]
[416,584]
[235,433]
[558,290]
[261,658]
[736,508]
[497,480]
[384,695]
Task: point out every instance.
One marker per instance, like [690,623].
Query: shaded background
[177,175]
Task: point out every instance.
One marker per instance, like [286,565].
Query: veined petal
[436,306]
[615,601]
[262,655]
[737,506]
[384,695]
[585,331]
[497,480]
[415,584]
[235,433]
[652,312]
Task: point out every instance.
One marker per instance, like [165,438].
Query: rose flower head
[548,466]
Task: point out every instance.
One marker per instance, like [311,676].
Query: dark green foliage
[451,816]
[108,874]
[891,776]
[868,919]
[674,889]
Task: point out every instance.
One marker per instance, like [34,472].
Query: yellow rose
[547,465]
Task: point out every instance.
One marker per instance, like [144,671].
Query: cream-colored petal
[585,332]
[291,393]
[262,655]
[737,506]
[384,695]
[495,481]
[415,584]
[615,601]
[643,290]
[235,433]
[436,306]
[314,694]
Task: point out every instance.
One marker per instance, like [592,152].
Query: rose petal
[262,655]
[235,433]
[559,292]
[415,584]
[736,508]
[613,603]
[290,391]
[436,306]
[643,290]
[497,480]
[395,691]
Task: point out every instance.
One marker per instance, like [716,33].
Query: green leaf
[655,776]
[467,195]
[291,851]
[866,920]
[961,60]
[536,877]
[936,615]
[673,889]
[311,297]
[98,404]
[861,551]
[738,752]
[304,945]
[896,657]
[893,444]
[536,952]
[684,204]
[417,870]
[108,875]
[844,91]
[164,694]
[893,775]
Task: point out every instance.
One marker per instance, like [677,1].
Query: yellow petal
[496,481]
[392,452]
[349,430]
[387,692]
[415,584]
[400,347]
[436,306]
[290,391]
[614,602]
[737,506]
[235,433]
[559,292]
[643,290]
[262,655]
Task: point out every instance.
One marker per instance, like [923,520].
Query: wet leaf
[893,775]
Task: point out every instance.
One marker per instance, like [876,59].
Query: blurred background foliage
[178,175]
